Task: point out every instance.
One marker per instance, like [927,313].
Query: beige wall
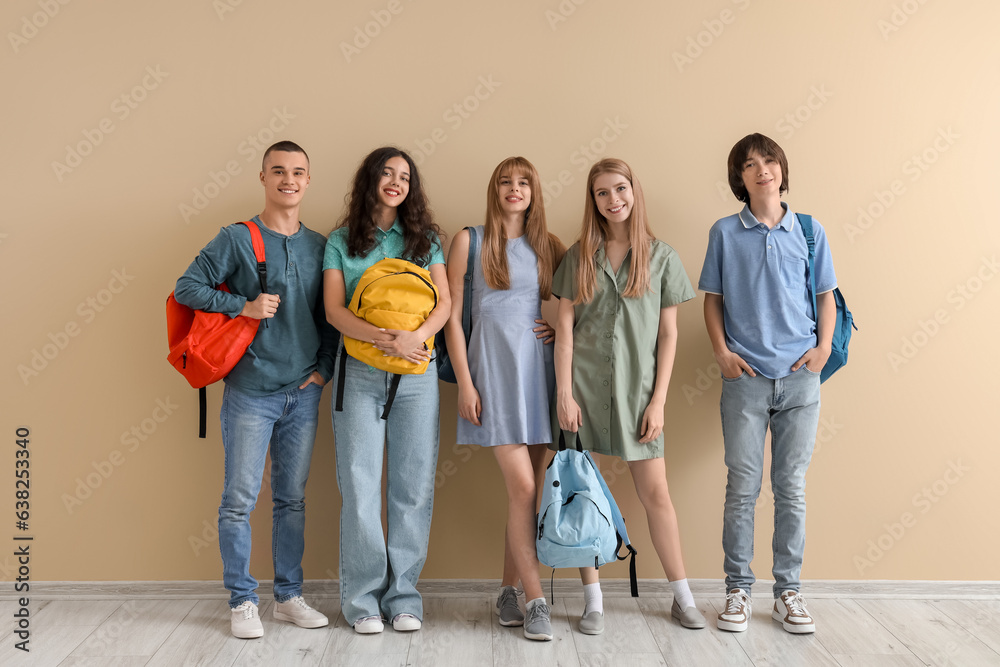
[888,107]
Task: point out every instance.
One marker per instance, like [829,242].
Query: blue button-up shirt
[762,275]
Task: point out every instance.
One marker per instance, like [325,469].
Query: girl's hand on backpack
[405,345]
[570,415]
[652,422]
[469,405]
[544,332]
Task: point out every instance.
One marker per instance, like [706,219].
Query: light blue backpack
[579,524]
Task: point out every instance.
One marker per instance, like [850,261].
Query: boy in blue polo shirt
[271,400]
[771,348]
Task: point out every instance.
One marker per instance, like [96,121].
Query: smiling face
[762,176]
[514,192]
[613,197]
[285,178]
[394,183]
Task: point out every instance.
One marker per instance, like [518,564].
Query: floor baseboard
[442,588]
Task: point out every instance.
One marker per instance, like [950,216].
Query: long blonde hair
[547,247]
[594,233]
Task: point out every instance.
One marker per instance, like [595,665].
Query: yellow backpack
[392,294]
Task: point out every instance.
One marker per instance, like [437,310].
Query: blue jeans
[287,421]
[790,407]
[379,576]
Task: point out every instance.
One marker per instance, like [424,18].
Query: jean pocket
[739,377]
[810,371]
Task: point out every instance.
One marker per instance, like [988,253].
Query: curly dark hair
[362,201]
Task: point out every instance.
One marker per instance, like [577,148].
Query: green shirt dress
[614,350]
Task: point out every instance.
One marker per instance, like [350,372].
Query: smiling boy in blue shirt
[771,348]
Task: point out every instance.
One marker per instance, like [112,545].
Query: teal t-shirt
[388,244]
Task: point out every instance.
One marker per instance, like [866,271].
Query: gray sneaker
[507,609]
[538,626]
[592,623]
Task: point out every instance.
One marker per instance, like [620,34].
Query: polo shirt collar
[397,228]
[749,221]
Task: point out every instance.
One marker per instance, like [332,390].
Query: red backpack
[204,346]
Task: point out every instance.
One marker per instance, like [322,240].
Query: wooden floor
[884,625]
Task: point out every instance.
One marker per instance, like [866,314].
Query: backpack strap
[342,381]
[341,377]
[806,222]
[467,291]
[619,522]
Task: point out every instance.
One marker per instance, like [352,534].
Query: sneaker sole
[256,634]
[539,637]
[730,626]
[278,616]
[794,628]
[512,624]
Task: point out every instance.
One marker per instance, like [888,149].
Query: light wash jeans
[379,577]
[790,407]
[287,421]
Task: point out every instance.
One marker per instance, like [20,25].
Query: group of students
[600,376]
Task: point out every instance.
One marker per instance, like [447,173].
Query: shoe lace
[247,610]
[734,601]
[796,605]
[299,602]
[508,597]
[536,612]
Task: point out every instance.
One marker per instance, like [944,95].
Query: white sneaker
[790,611]
[245,621]
[298,612]
[405,623]
[370,625]
[736,615]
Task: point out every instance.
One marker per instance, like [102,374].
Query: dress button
[605,383]
[605,406]
[607,358]
[605,430]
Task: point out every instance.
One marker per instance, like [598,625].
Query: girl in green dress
[616,337]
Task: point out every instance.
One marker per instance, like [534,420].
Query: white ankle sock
[682,593]
[593,599]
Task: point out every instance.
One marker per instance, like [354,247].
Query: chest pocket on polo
[793,272]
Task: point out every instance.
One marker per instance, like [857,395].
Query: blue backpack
[844,325]
[579,524]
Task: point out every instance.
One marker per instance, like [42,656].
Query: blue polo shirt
[761,274]
[387,244]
